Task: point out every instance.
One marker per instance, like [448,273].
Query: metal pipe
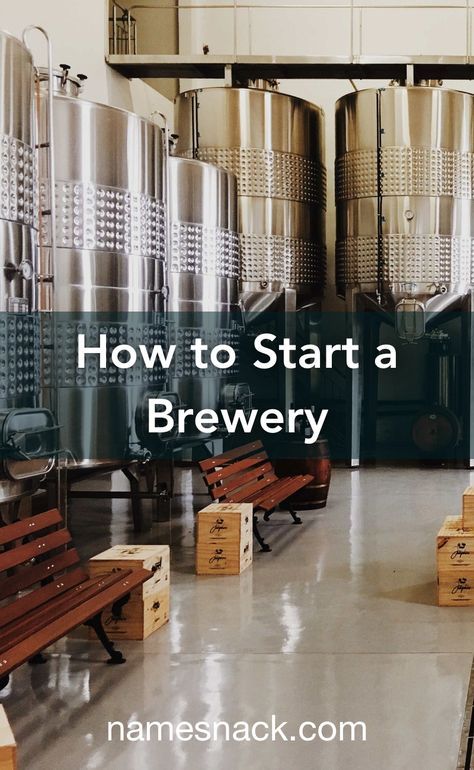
[114,28]
[235,28]
[50,140]
[468,30]
[117,5]
[352,31]
[52,202]
[166,186]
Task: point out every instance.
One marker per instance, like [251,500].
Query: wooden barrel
[316,462]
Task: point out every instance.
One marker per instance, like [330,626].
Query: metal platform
[238,68]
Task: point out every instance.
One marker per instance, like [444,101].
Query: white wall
[326,32]
[77,30]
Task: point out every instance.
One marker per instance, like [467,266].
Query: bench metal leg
[116,656]
[38,659]
[296,518]
[118,606]
[263,545]
[3,682]
[293,514]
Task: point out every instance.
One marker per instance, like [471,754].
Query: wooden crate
[7,744]
[224,539]
[139,617]
[222,558]
[455,546]
[456,588]
[225,523]
[155,558]
[468,508]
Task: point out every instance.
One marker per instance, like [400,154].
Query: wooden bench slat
[29,526]
[241,480]
[284,492]
[38,547]
[232,454]
[24,604]
[231,470]
[242,495]
[276,494]
[44,615]
[262,494]
[39,640]
[30,575]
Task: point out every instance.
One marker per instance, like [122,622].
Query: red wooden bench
[246,475]
[37,559]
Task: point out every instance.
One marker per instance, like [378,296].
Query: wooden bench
[246,475]
[37,559]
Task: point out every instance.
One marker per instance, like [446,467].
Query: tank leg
[141,521]
[371,334]
[289,377]
[467,313]
[355,383]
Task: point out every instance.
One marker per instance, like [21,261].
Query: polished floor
[338,623]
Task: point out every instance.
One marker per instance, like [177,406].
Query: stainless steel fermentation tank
[203,273]
[274,144]
[404,195]
[23,426]
[105,271]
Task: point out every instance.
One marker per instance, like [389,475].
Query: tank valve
[173,143]
[65,68]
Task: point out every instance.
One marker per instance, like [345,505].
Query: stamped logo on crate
[129,551]
[461,587]
[218,528]
[460,551]
[218,560]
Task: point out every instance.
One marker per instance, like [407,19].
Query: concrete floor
[338,623]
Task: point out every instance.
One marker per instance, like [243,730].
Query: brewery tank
[274,144]
[24,426]
[404,190]
[203,272]
[106,272]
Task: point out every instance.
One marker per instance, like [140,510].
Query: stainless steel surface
[109,258]
[19,370]
[203,273]
[274,144]
[63,82]
[17,172]
[404,193]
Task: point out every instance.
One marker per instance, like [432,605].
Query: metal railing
[123,33]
